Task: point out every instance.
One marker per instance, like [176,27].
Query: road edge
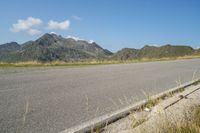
[121,113]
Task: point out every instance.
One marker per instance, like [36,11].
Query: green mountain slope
[52,47]
[154,52]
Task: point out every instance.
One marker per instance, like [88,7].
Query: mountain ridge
[147,51]
[51,47]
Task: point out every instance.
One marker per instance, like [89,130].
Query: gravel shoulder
[170,111]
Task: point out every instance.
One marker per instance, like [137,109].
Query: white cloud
[31,26]
[76,17]
[79,39]
[27,24]
[34,32]
[53,33]
[75,38]
[155,45]
[90,41]
[58,25]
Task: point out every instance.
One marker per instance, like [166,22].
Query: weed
[190,125]
[137,122]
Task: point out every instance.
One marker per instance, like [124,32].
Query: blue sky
[113,24]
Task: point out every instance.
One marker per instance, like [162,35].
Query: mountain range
[155,52]
[51,47]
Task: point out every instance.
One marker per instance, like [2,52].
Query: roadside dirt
[173,110]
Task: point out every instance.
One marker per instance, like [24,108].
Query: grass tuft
[190,125]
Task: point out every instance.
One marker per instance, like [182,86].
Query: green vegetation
[151,103]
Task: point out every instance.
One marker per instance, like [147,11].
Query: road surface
[49,100]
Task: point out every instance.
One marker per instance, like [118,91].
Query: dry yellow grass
[190,125]
[90,62]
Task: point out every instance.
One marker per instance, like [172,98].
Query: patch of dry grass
[90,62]
[191,124]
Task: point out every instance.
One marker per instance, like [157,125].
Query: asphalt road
[49,100]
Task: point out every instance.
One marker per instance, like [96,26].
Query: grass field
[88,63]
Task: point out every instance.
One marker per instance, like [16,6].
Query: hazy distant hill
[153,52]
[51,47]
